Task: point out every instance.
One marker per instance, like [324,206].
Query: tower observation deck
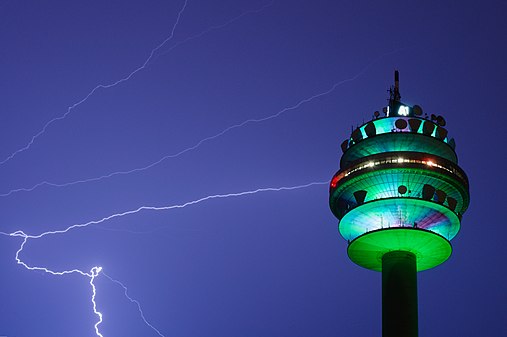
[399,196]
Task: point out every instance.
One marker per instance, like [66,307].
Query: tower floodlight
[399,196]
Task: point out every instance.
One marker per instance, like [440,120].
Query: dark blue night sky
[244,96]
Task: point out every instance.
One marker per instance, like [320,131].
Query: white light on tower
[403,111]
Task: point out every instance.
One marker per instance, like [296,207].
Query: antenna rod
[397,95]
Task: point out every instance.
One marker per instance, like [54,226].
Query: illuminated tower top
[399,186]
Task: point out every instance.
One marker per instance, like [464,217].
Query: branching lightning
[216,27]
[97,270]
[164,208]
[94,272]
[100,86]
[200,142]
[125,290]
[152,56]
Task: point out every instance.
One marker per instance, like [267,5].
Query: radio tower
[399,196]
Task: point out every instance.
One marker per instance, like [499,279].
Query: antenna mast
[394,92]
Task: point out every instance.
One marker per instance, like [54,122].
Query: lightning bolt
[100,86]
[97,270]
[94,273]
[165,208]
[216,27]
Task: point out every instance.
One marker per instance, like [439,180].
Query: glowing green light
[398,142]
[429,248]
[399,213]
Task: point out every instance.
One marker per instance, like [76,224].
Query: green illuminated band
[396,142]
[398,124]
[399,212]
[429,248]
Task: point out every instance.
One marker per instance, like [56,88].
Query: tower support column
[399,294]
